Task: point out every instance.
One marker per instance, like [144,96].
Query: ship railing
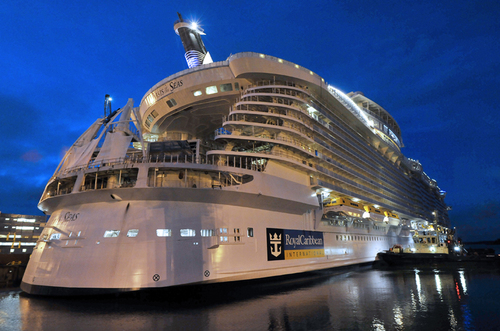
[130,161]
[285,105]
[275,152]
[290,141]
[277,122]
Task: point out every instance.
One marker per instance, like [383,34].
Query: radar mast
[190,33]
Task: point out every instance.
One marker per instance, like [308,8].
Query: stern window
[226,87]
[55,236]
[132,233]
[211,89]
[171,103]
[163,232]
[111,233]
[207,232]
[188,233]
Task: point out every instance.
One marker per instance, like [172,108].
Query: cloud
[32,156]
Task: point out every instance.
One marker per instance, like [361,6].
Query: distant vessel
[241,169]
[429,246]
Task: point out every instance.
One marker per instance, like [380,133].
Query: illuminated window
[132,233]
[55,236]
[24,227]
[111,233]
[188,233]
[24,250]
[12,250]
[171,103]
[211,90]
[223,239]
[207,232]
[163,232]
[226,87]
[223,230]
[197,93]
[249,232]
[29,220]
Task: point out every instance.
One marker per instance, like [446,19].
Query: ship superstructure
[240,169]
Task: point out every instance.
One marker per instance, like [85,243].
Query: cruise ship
[247,168]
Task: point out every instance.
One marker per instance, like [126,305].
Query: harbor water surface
[453,297]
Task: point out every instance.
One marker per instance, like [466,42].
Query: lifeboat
[375,214]
[345,205]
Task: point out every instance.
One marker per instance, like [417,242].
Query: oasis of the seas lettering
[166,89]
[175,84]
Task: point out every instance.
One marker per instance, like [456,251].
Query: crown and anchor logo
[275,243]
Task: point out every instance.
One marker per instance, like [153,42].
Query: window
[236,86]
[24,250]
[24,227]
[154,113]
[207,232]
[163,232]
[223,230]
[249,232]
[171,103]
[150,118]
[111,233]
[211,89]
[197,93]
[226,87]
[132,233]
[55,236]
[29,220]
[223,239]
[188,233]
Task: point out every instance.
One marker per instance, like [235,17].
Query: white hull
[90,261]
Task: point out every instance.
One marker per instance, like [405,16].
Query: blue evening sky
[434,65]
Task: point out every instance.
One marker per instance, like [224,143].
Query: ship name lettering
[70,217]
[174,85]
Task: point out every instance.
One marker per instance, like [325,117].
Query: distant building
[19,233]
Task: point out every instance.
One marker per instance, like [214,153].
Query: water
[410,298]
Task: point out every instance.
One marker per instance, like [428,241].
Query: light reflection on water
[364,299]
